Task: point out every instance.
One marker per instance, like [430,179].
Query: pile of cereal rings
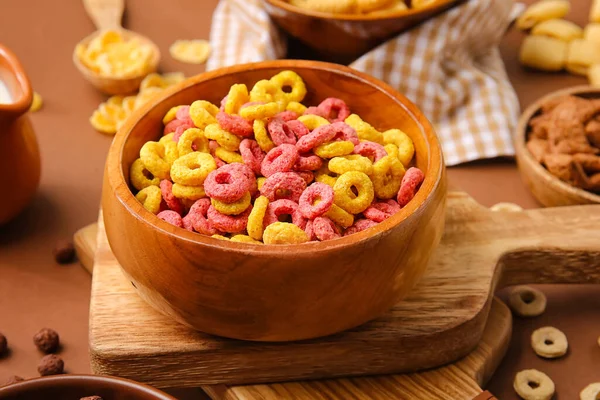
[263,168]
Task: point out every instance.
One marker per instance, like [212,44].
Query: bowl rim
[520,140]
[123,193]
[360,17]
[41,383]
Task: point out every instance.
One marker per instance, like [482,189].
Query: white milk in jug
[5,97]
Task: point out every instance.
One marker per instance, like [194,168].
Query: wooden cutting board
[441,321]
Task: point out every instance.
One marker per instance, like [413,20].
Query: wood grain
[85,245]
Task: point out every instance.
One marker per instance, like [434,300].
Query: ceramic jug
[19,154]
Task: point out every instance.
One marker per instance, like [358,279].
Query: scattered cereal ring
[192,169]
[192,140]
[203,113]
[364,130]
[296,107]
[154,157]
[345,197]
[140,176]
[190,51]
[590,392]
[334,149]
[102,123]
[171,217]
[233,208]
[235,124]
[353,162]
[359,226]
[281,207]
[197,218]
[340,216]
[228,156]
[227,184]
[226,140]
[298,128]
[508,207]
[237,96]
[316,200]
[549,342]
[334,109]
[373,151]
[150,197]
[256,218]
[244,239]
[166,189]
[259,111]
[312,122]
[381,210]
[406,148]
[531,384]
[280,159]
[280,132]
[170,115]
[265,91]
[262,136]
[283,185]
[308,163]
[325,229]
[228,223]
[185,192]
[252,155]
[526,301]
[292,80]
[410,185]
[37,102]
[387,177]
[286,116]
[284,233]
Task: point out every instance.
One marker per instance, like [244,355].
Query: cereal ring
[244,239]
[219,162]
[188,192]
[312,122]
[287,116]
[192,140]
[220,237]
[170,115]
[228,223]
[410,185]
[226,140]
[183,113]
[324,229]
[308,163]
[392,150]
[227,184]
[197,218]
[345,197]
[387,177]
[317,137]
[192,169]
[531,384]
[373,151]
[526,301]
[359,226]
[203,113]
[154,158]
[252,155]
[296,107]
[235,124]
[290,79]
[314,110]
[306,175]
[340,216]
[259,111]
[334,149]
[190,51]
[166,189]
[364,130]
[262,136]
[549,342]
[260,182]
[310,231]
[237,96]
[507,207]
[228,156]
[353,162]
[176,123]
[171,151]
[150,197]
[246,170]
[381,210]
[334,109]
[140,176]
[280,132]
[591,392]
[256,218]
[298,128]
[326,179]
[406,147]
[283,185]
[281,207]
[316,200]
[280,159]
[167,138]
[234,208]
[265,91]
[346,132]
[171,217]
[284,233]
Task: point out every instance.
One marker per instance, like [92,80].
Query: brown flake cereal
[526,301]
[531,384]
[549,342]
[51,365]
[47,340]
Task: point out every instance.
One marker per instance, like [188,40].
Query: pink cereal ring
[234,124]
[310,231]
[334,109]
[371,150]
[410,185]
[281,207]
[359,225]
[325,229]
[287,116]
[183,113]
[314,111]
[223,102]
[382,210]
[298,128]
[246,170]
[317,137]
[171,217]
[226,185]
[280,132]
[317,191]
[308,163]
[251,103]
[220,163]
[283,185]
[345,132]
[280,159]
[228,223]
[173,125]
[196,218]
[212,145]
[173,203]
[306,175]
[252,154]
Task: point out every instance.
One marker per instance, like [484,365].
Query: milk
[5,97]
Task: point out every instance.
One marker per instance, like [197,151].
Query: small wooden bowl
[545,187]
[115,86]
[346,37]
[276,292]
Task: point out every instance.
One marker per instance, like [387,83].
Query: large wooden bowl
[545,187]
[346,37]
[276,292]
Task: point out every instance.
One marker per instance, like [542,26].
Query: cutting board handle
[106,14]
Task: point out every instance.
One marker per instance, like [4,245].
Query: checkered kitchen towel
[450,66]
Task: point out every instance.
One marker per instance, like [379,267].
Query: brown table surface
[35,292]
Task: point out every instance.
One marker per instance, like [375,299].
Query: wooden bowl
[345,37]
[78,386]
[545,187]
[276,292]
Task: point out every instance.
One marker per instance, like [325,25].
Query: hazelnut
[3,344]
[64,252]
[91,398]
[51,365]
[46,340]
[13,379]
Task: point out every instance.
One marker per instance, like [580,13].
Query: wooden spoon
[107,14]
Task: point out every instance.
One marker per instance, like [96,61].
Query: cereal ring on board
[359,226]
[233,208]
[316,200]
[188,192]
[381,210]
[252,155]
[277,208]
[283,185]
[590,392]
[237,96]
[531,384]
[324,229]
[190,51]
[154,157]
[387,177]
[406,147]
[235,124]
[192,169]
[345,197]
[353,162]
[203,113]
[334,109]
[140,176]
[284,233]
[226,140]
[227,184]
[259,111]
[364,130]
[526,301]
[191,140]
[171,217]
[150,197]
[410,185]
[280,159]
[228,223]
[334,149]
[280,132]
[256,218]
[166,189]
[340,216]
[549,342]
[294,82]
[373,151]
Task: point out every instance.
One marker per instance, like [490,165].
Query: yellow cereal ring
[340,216]
[171,151]
[364,130]
[140,177]
[312,121]
[326,179]
[190,137]
[260,181]
[387,176]
[284,233]
[334,149]
[265,91]
[150,197]
[353,162]
[227,140]
[260,111]
[191,193]
[262,136]
[296,107]
[193,168]
[229,156]
[244,239]
[294,82]
[170,115]
[345,197]
[203,113]
[256,218]
[237,97]
[166,138]
[406,147]
[235,208]
[154,158]
[220,237]
[37,102]
[392,150]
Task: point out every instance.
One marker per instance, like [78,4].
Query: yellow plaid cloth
[450,66]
